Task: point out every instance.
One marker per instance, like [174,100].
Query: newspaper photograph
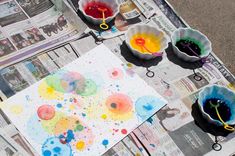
[10,13]
[6,47]
[35,7]
[29,27]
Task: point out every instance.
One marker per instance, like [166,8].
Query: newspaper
[176,129]
[12,142]
[8,146]
[28,27]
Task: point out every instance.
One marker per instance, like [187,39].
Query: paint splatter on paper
[85,108]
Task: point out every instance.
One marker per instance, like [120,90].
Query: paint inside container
[190,47]
[150,43]
[223,109]
[93,9]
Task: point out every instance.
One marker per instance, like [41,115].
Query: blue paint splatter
[105,142]
[59,105]
[35,130]
[83,114]
[152,145]
[57,149]
[53,147]
[68,138]
[46,153]
[150,120]
[146,106]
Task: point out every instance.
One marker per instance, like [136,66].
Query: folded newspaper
[174,130]
[29,27]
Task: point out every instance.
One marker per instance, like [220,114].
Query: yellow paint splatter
[48,92]
[80,145]
[104,116]
[137,154]
[72,107]
[119,117]
[129,65]
[64,124]
[16,109]
[49,125]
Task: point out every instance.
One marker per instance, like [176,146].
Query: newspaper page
[8,146]
[177,129]
[28,27]
[12,142]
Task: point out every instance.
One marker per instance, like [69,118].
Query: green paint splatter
[78,128]
[90,88]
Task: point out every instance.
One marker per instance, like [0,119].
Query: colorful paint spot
[80,145]
[150,120]
[64,124]
[119,107]
[66,138]
[129,69]
[119,103]
[90,88]
[66,82]
[115,73]
[145,106]
[49,125]
[47,92]
[79,127]
[104,116]
[46,112]
[84,138]
[105,142]
[59,105]
[53,147]
[124,131]
[35,130]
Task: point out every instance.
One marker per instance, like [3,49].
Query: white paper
[85,108]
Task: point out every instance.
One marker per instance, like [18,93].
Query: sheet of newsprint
[174,130]
[28,27]
[8,147]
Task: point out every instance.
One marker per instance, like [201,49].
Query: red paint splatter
[115,73]
[46,112]
[119,103]
[63,140]
[124,131]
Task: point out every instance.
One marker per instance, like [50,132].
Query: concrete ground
[214,18]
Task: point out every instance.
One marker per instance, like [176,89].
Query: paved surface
[214,18]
